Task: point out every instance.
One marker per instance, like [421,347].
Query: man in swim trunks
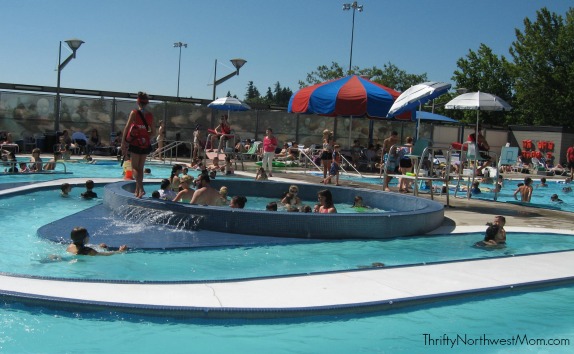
[205,194]
[524,190]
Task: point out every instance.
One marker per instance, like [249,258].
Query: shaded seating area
[423,175]
[81,141]
[471,157]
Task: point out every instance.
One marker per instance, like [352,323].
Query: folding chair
[253,150]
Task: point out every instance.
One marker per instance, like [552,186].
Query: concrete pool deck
[303,295]
[325,293]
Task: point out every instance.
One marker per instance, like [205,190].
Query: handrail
[427,152]
[308,158]
[169,148]
[349,164]
[470,179]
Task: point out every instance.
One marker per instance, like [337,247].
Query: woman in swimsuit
[174,177]
[327,152]
[186,192]
[160,140]
[326,205]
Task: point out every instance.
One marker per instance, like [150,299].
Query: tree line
[537,78]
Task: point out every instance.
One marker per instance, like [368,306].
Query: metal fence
[30,115]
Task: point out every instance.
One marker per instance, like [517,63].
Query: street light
[179,45]
[74,44]
[237,63]
[347,7]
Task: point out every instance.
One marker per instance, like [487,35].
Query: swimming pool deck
[351,291]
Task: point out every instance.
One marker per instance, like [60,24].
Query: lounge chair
[253,152]
[540,167]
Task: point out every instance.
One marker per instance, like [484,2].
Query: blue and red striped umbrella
[348,96]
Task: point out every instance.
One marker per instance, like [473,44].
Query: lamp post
[347,7]
[179,45]
[74,44]
[237,63]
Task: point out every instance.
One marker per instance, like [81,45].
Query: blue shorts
[334,169]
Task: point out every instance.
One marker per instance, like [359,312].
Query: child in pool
[358,202]
[66,188]
[80,238]
[89,193]
[495,233]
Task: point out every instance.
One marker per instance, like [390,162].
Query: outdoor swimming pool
[23,253]
[34,329]
[545,314]
[540,196]
[81,169]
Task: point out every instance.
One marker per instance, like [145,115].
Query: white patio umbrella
[229,104]
[417,95]
[479,101]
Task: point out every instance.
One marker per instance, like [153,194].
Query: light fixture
[74,44]
[179,45]
[237,63]
[346,7]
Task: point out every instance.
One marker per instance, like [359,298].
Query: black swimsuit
[85,251]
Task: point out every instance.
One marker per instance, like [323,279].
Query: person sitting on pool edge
[80,237]
[261,174]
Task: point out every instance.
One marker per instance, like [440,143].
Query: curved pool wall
[407,216]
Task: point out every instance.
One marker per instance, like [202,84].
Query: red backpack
[137,136]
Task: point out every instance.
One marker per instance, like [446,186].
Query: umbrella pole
[350,130]
[476,151]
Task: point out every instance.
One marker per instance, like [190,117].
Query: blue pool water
[80,169]
[540,196]
[544,314]
[220,263]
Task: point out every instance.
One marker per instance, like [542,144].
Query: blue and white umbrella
[417,95]
[229,104]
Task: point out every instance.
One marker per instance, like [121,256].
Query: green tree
[323,73]
[281,95]
[269,95]
[543,70]
[390,75]
[252,92]
[484,71]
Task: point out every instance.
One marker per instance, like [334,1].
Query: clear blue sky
[129,44]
